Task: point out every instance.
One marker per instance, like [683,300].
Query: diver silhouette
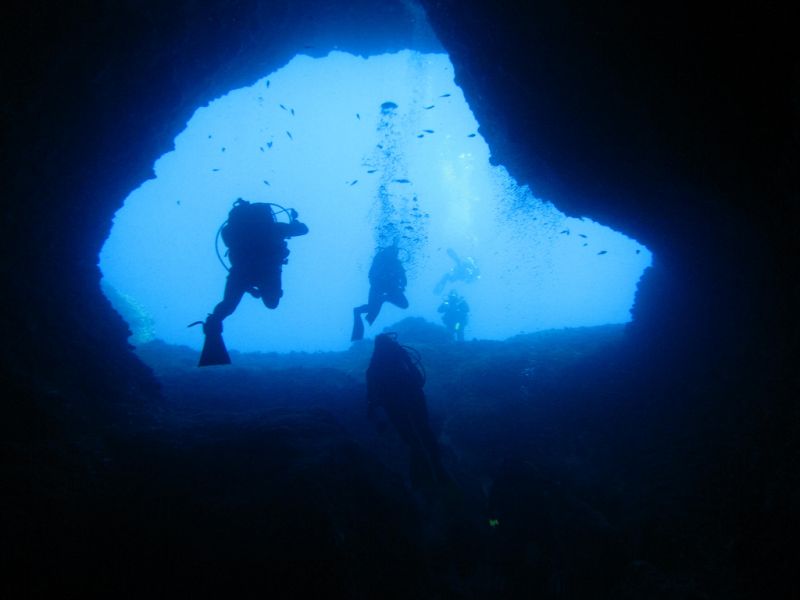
[395,381]
[455,314]
[463,270]
[257,251]
[387,281]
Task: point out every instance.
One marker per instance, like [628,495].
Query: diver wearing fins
[455,314]
[257,251]
[395,382]
[387,282]
[465,270]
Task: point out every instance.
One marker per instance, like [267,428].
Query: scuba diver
[395,379]
[387,282]
[464,270]
[455,314]
[257,251]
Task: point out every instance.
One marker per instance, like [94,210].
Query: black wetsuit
[394,383]
[455,315]
[257,251]
[387,282]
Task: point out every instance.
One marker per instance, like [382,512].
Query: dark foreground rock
[266,476]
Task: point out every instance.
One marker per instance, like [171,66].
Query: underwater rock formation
[673,124]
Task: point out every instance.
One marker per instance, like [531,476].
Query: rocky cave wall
[672,124]
[95,92]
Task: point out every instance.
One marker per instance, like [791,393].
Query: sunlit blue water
[313,136]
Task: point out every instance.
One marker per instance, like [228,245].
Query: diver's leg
[214,351]
[270,289]
[376,299]
[439,288]
[235,287]
[397,298]
[358,325]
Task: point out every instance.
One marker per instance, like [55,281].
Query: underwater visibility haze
[581,382]
[369,151]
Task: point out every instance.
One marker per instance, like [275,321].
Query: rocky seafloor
[266,476]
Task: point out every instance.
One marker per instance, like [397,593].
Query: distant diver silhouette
[257,251]
[464,270]
[455,314]
[395,381]
[387,281]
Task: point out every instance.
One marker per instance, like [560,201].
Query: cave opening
[368,151]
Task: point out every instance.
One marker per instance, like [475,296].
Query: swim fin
[214,350]
[358,326]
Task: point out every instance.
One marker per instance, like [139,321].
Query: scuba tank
[246,224]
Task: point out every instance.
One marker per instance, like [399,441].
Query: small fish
[209,136]
[374,170]
[358,116]
[421,135]
[444,96]
[428,130]
[269,144]
[565,231]
[223,148]
[429,107]
[267,182]
[290,135]
[261,148]
[355,181]
[401,180]
[292,112]
[282,106]
[583,235]
[471,135]
[637,252]
[215,169]
[267,82]
[178,202]
[602,252]
[585,244]
[380,146]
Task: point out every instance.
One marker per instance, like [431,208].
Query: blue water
[313,136]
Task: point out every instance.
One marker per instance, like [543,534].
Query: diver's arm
[293,229]
[297,228]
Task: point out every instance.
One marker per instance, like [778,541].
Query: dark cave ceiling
[674,124]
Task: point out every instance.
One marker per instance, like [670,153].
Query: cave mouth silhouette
[689,441]
[368,151]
